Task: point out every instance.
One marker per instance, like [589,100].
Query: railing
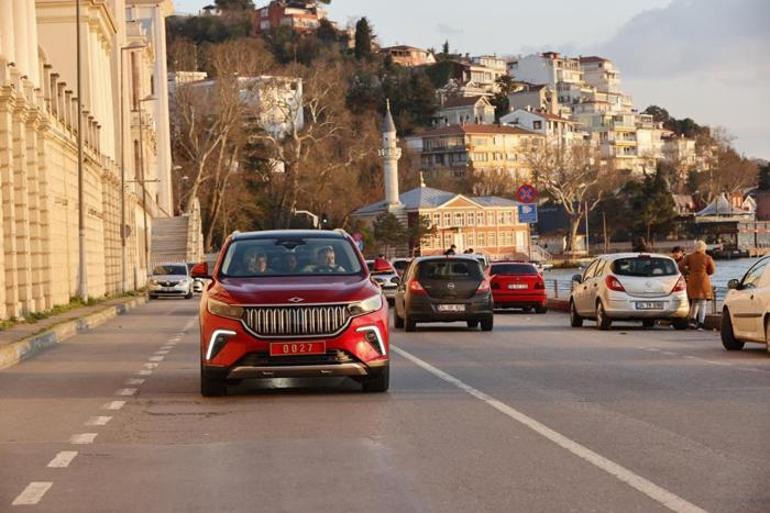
[560,289]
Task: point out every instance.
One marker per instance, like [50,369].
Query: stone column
[20,40]
[33,210]
[7,43]
[31,30]
[21,200]
[11,304]
[161,110]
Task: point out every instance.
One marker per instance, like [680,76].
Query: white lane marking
[150,365]
[669,353]
[167,347]
[690,357]
[32,493]
[174,340]
[134,381]
[648,488]
[63,459]
[113,405]
[161,352]
[83,438]
[98,421]
[143,372]
[125,391]
[156,358]
[190,324]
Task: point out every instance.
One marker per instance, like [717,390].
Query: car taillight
[483,286]
[680,286]
[614,284]
[416,287]
[539,285]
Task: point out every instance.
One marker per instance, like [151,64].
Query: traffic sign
[358,236]
[528,213]
[527,194]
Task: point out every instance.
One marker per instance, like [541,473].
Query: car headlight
[225,310]
[369,305]
[153,282]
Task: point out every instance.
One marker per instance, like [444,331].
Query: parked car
[518,285]
[630,287]
[400,265]
[746,311]
[291,303]
[385,276]
[444,289]
[170,280]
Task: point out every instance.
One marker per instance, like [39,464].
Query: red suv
[291,303]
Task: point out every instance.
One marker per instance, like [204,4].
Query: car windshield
[165,270]
[449,270]
[514,269]
[400,264]
[290,256]
[644,267]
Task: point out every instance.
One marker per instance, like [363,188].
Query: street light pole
[142,180]
[82,278]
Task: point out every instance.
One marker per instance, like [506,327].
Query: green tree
[651,205]
[659,114]
[389,232]
[764,177]
[420,228]
[234,5]
[445,49]
[363,40]
[500,100]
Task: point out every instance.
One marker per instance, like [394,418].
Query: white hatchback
[630,287]
[746,312]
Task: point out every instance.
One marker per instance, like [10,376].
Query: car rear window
[644,267]
[514,269]
[400,264]
[449,270]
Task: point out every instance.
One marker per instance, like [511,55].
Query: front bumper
[624,307]
[244,356]
[175,290]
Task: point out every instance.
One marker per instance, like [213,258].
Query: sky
[704,59]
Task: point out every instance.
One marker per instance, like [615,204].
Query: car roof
[469,258]
[272,234]
[616,256]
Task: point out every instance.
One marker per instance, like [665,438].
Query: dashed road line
[134,381]
[113,405]
[648,488]
[83,438]
[150,365]
[32,493]
[98,421]
[156,358]
[125,391]
[62,460]
[143,372]
[161,352]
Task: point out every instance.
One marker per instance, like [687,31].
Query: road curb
[15,352]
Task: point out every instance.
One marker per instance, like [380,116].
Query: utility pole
[588,250]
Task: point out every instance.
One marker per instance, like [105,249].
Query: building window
[471,240]
[491,218]
[501,217]
[480,219]
[492,241]
[447,219]
[447,239]
[469,219]
[458,219]
[537,125]
[481,239]
[436,219]
[509,218]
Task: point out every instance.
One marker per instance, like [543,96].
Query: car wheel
[648,323]
[189,295]
[541,309]
[473,324]
[767,339]
[487,324]
[212,387]
[574,318]
[729,341]
[377,382]
[409,324]
[526,309]
[398,322]
[152,297]
[681,324]
[602,321]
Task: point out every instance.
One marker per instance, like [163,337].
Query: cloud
[446,30]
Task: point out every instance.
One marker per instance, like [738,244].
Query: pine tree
[363,48]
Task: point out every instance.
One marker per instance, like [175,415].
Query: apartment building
[475,110]
[555,128]
[409,56]
[299,16]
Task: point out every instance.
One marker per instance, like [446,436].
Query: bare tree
[575,177]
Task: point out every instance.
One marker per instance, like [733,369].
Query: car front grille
[296,321]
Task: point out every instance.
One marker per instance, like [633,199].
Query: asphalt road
[533,417]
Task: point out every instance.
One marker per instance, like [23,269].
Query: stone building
[39,210]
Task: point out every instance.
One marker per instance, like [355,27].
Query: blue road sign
[528,213]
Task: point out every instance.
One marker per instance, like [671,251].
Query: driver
[325,262]
[255,261]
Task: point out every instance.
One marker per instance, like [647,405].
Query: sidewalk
[25,340]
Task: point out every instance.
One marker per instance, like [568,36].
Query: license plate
[653,305]
[517,286]
[168,289]
[451,308]
[295,348]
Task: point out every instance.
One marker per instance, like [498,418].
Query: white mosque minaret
[390,153]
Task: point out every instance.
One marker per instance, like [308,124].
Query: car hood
[168,277]
[294,290]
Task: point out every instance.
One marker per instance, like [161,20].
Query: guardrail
[560,289]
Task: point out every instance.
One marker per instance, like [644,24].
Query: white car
[170,280]
[746,312]
[630,287]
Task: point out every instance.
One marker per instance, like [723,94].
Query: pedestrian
[677,254]
[698,266]
[640,245]
[451,251]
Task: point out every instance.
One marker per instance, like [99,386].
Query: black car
[444,289]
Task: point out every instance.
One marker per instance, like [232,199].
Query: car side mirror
[577,278]
[200,270]
[734,284]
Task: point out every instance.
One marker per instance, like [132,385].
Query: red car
[518,285]
[291,303]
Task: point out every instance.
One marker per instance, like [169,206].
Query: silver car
[630,287]
[387,280]
[170,280]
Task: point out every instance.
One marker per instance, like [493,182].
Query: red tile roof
[458,101]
